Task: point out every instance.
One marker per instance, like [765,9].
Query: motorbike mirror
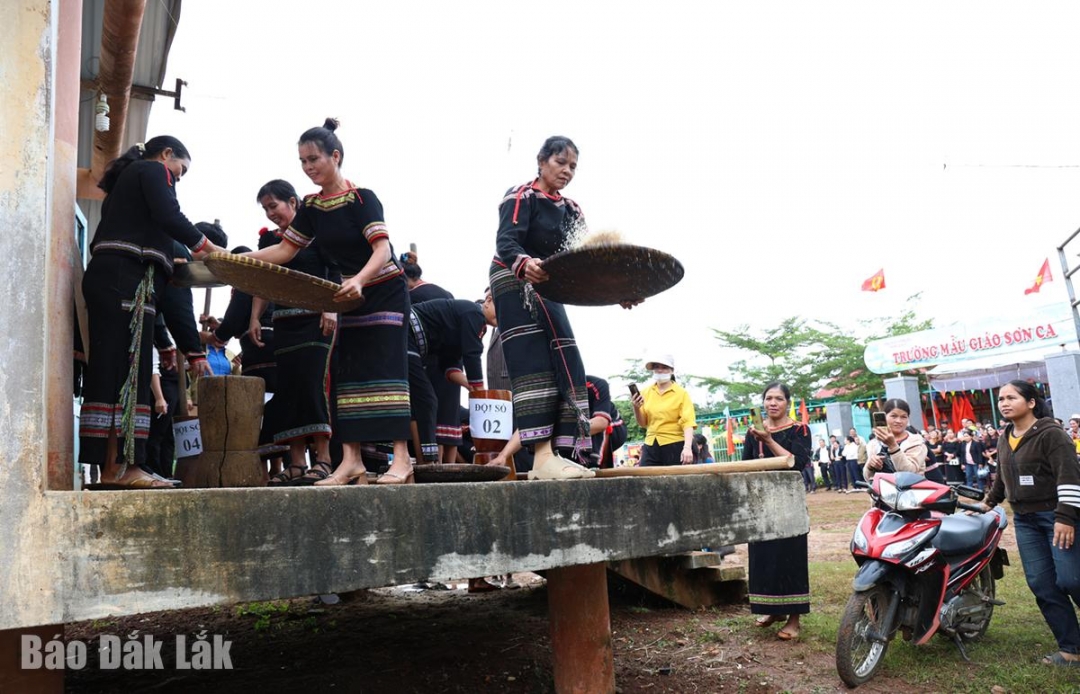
[969,492]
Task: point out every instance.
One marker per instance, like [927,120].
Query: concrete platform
[85,555]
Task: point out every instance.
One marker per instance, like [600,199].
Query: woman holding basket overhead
[372,379]
[551,402]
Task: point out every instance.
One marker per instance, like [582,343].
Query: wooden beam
[690,588]
[581,654]
[776,463]
[31,680]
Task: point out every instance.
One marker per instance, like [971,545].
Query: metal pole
[993,407]
[1068,284]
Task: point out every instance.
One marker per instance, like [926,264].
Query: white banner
[1047,326]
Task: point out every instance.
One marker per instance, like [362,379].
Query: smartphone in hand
[755,419]
[633,389]
[879,419]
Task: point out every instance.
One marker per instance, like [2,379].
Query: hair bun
[331,124]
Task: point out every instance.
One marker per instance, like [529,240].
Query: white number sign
[491,419]
[188,438]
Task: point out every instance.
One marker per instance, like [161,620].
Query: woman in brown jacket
[1039,475]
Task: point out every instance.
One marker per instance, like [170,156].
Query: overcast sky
[784,152]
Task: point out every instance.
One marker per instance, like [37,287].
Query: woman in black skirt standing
[132,260]
[302,343]
[551,402]
[372,377]
[779,570]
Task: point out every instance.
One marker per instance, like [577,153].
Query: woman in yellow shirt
[666,412]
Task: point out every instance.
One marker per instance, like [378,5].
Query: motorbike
[923,570]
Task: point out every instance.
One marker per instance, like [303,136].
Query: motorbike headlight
[907,500]
[887,492]
[858,539]
[911,499]
[899,549]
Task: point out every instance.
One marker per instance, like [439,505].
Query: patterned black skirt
[301,404]
[780,576]
[109,287]
[546,372]
[372,380]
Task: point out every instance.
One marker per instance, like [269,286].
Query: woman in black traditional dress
[302,343]
[779,571]
[447,423]
[132,261]
[372,377]
[551,402]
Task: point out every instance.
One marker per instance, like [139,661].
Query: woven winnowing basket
[279,284]
[194,275]
[607,274]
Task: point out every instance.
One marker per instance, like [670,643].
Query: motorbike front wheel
[858,654]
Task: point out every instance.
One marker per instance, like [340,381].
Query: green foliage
[633,431]
[263,612]
[782,356]
[807,356]
[635,372]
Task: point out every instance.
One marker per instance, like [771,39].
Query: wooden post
[37,681]
[582,658]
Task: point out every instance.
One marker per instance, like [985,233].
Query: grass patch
[263,612]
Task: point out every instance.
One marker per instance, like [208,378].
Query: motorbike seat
[961,534]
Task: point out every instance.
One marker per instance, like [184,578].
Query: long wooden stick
[760,465]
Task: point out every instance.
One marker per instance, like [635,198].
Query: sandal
[1060,660]
[559,468]
[142,482]
[285,477]
[316,473]
[481,585]
[769,619]
[340,479]
[786,634]
[394,478]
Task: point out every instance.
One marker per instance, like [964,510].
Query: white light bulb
[101,114]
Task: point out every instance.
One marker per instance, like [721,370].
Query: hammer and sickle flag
[876,282]
[1042,278]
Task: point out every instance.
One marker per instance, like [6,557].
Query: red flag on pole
[876,282]
[804,415]
[1040,279]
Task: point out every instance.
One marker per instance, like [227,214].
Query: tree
[809,357]
[841,354]
[633,431]
[785,349]
[635,373]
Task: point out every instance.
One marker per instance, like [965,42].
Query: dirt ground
[405,640]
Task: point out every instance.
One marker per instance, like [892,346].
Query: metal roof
[156,34]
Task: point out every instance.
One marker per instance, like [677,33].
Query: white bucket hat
[660,360]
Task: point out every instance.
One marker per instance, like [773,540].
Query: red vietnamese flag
[876,282]
[1042,278]
[804,415]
